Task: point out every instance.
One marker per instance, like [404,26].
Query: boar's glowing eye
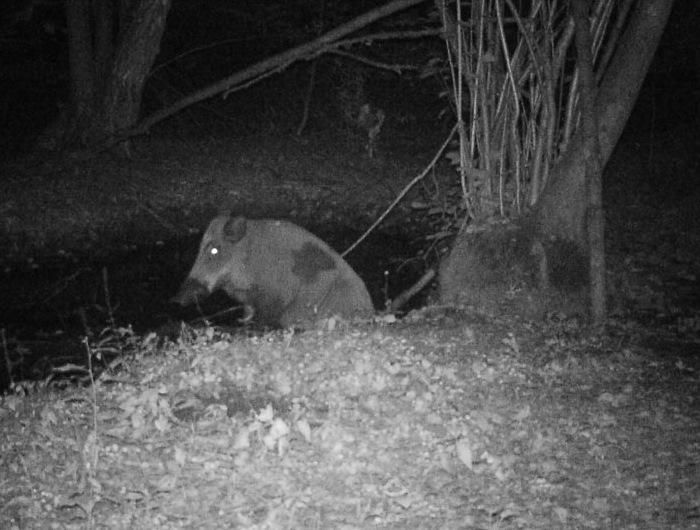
[214,251]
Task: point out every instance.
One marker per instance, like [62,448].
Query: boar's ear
[235,229]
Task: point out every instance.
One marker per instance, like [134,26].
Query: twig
[390,35]
[395,68]
[88,351]
[157,217]
[194,50]
[108,303]
[91,449]
[611,44]
[398,302]
[403,192]
[307,97]
[6,354]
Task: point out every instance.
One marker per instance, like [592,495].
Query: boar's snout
[189,292]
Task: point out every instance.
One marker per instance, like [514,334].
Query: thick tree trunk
[138,48]
[561,211]
[107,74]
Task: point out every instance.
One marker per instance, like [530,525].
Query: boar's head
[221,262]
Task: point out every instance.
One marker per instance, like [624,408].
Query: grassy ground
[450,418]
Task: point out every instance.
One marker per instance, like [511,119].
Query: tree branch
[274,64]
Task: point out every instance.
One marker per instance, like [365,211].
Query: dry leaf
[304,429]
[561,513]
[464,452]
[179,455]
[523,413]
[279,428]
[266,414]
[242,441]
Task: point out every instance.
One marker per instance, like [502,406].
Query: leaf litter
[449,419]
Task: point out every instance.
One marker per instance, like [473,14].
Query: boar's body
[285,273]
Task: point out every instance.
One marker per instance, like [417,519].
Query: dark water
[48,308]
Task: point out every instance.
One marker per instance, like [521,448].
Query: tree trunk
[589,132]
[138,48]
[546,256]
[561,211]
[110,56]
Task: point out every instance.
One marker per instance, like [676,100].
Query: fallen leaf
[304,429]
[265,415]
[562,514]
[464,452]
[279,428]
[179,455]
[242,441]
[523,413]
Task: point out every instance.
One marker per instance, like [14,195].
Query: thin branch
[193,51]
[307,97]
[611,44]
[395,68]
[403,192]
[391,35]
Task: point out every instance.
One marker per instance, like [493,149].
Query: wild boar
[285,274]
